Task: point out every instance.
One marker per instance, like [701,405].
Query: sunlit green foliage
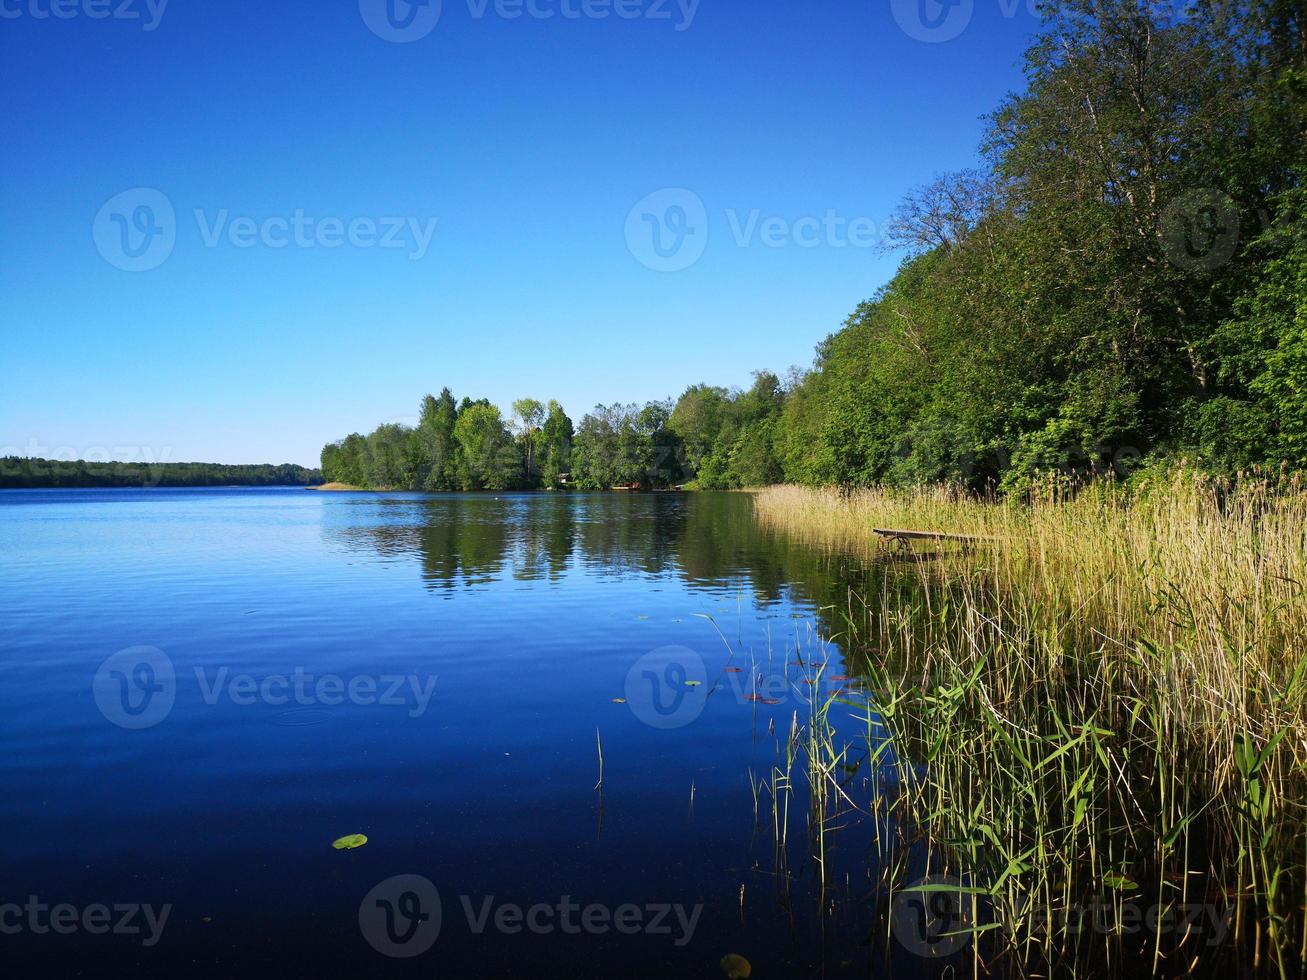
[1122,282]
[1124,279]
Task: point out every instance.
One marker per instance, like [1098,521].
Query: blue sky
[464,201]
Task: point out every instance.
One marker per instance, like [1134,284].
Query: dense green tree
[555,445]
[595,451]
[438,451]
[697,422]
[1101,291]
[1261,352]
[528,415]
[626,445]
[489,455]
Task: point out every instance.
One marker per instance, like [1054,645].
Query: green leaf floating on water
[1119,881]
[736,966]
[349,842]
[693,683]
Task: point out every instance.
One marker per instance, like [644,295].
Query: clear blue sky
[528,140]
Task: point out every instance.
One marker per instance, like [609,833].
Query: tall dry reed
[1109,695]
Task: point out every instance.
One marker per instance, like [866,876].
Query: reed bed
[1108,703]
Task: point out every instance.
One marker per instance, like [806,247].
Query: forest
[18,472]
[1120,284]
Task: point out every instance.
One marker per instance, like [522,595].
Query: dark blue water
[203,689]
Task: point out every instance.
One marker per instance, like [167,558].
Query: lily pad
[1119,882]
[736,967]
[693,683]
[349,842]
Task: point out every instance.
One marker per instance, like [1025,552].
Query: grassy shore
[1109,703]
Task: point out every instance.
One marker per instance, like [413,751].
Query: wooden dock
[903,536]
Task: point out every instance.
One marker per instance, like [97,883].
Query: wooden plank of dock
[902,534]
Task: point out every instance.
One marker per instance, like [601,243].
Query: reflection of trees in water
[706,540]
[623,534]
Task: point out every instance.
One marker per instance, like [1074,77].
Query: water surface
[435,673]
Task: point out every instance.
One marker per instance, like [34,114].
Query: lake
[205,688]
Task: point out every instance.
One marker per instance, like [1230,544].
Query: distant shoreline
[34,472]
[338,487]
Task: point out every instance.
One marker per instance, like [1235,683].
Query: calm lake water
[203,689]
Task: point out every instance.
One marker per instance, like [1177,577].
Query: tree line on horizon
[711,437]
[1122,282]
[26,472]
